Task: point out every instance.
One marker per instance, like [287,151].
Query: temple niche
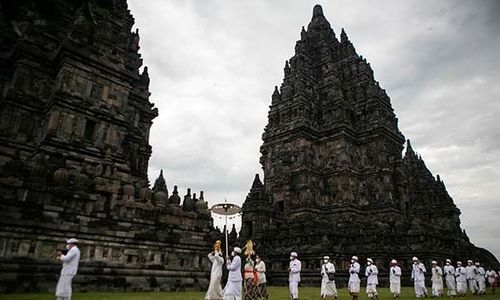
[75,114]
[335,180]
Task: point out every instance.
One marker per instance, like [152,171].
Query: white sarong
[63,288]
[461,287]
[294,289]
[420,289]
[328,289]
[354,287]
[395,288]
[450,284]
[371,290]
[232,290]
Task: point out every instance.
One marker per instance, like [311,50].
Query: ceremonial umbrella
[226,209]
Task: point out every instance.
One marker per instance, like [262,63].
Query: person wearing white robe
[328,287]
[437,280]
[371,273]
[395,279]
[461,276]
[232,290]
[492,276]
[481,279]
[471,277]
[69,269]
[214,288]
[449,272]
[418,276]
[354,281]
[294,275]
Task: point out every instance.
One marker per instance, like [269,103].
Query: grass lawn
[276,293]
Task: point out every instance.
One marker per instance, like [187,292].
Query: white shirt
[418,272]
[471,272]
[395,275]
[295,267]
[437,274]
[371,272]
[491,275]
[354,272]
[70,261]
[260,267]
[234,269]
[481,274]
[461,274]
[327,268]
[449,270]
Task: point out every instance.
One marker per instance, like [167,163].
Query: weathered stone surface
[74,129]
[335,180]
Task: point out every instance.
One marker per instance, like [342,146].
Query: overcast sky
[214,64]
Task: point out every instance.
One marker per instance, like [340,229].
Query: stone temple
[335,180]
[75,116]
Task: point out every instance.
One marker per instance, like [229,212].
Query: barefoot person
[395,279]
[449,272]
[437,280]
[70,262]
[354,281]
[214,289]
[461,276]
[294,275]
[371,273]
[328,288]
[232,290]
[418,276]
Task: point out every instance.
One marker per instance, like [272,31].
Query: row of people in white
[457,279]
[354,283]
[473,276]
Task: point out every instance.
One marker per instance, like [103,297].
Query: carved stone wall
[75,116]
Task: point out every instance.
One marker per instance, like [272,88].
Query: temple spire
[343,37]
[256,182]
[276,95]
[318,11]
[318,21]
[303,33]
[409,150]
[160,184]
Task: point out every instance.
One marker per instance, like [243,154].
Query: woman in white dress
[214,289]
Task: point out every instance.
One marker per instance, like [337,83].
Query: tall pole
[227,246]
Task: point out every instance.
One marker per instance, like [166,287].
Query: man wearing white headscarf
[481,279]
[70,262]
[354,281]
[232,290]
[371,273]
[471,277]
[294,275]
[395,279]
[437,280]
[449,272]
[328,287]
[418,275]
[461,276]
